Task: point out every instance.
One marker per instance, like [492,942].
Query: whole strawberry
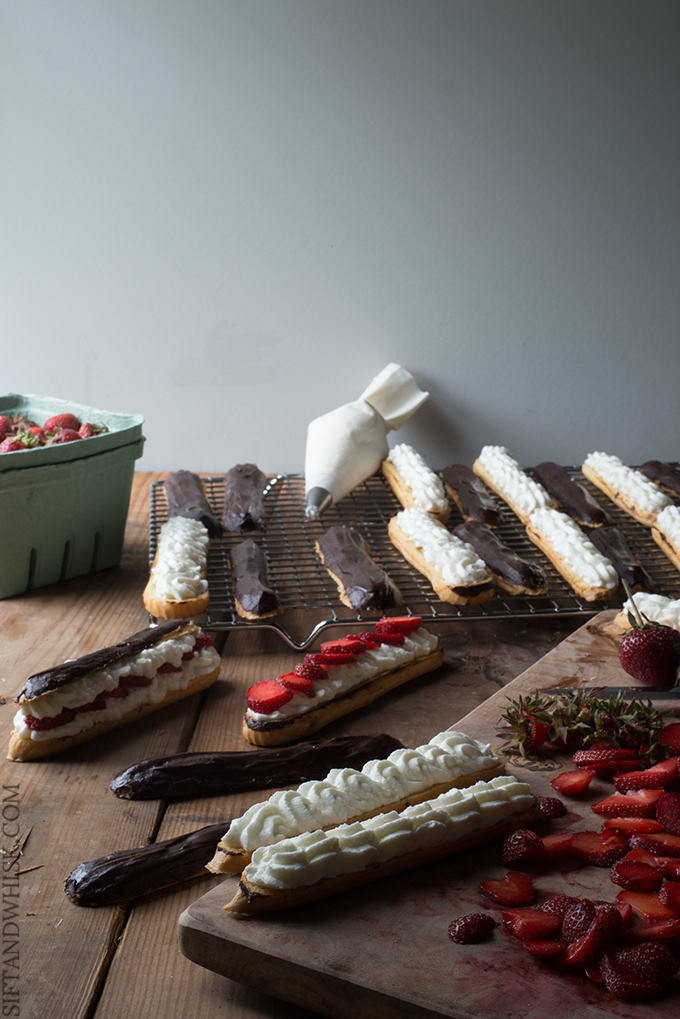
[649,651]
[62,421]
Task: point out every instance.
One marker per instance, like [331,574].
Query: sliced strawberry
[536,735]
[577,918]
[399,624]
[530,924]
[670,736]
[627,914]
[551,807]
[636,876]
[371,639]
[668,812]
[664,775]
[604,929]
[606,761]
[267,696]
[470,929]
[593,972]
[513,890]
[659,931]
[202,641]
[344,645]
[633,825]
[331,658]
[558,904]
[647,906]
[636,803]
[669,867]
[572,783]
[669,895]
[642,856]
[544,949]
[307,670]
[640,972]
[660,843]
[297,684]
[389,637]
[522,844]
[601,849]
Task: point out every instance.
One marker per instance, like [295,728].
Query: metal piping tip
[318,499]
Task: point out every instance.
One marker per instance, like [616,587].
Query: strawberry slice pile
[632,944]
[19,432]
[268,696]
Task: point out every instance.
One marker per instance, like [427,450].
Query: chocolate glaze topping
[244,486]
[365,584]
[133,872]
[500,559]
[185,497]
[42,682]
[664,474]
[473,499]
[182,776]
[612,543]
[572,497]
[249,579]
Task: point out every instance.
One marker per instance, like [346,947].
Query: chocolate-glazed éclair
[185,497]
[254,597]
[513,574]
[362,584]
[470,496]
[130,873]
[244,487]
[573,498]
[51,679]
[182,776]
[612,543]
[664,474]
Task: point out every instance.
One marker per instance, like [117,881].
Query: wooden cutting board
[383,950]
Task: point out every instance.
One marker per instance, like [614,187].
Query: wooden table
[64,960]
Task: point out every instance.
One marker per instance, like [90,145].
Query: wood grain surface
[81,962]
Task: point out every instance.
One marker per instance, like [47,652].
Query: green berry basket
[63,508]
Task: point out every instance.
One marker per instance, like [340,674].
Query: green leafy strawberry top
[581,719]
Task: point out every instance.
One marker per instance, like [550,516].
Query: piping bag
[347,445]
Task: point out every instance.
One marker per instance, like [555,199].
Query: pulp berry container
[63,508]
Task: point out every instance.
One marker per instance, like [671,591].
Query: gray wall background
[229,215]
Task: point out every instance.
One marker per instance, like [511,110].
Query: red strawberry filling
[125,684]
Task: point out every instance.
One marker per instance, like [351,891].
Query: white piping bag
[347,445]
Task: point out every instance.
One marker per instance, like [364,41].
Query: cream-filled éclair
[84,697]
[590,574]
[630,490]
[666,533]
[498,469]
[320,863]
[345,675]
[451,759]
[414,483]
[457,573]
[177,586]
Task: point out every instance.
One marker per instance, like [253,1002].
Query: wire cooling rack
[301,581]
